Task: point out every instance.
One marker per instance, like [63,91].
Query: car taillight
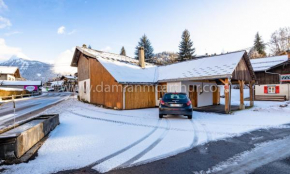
[188,103]
[162,102]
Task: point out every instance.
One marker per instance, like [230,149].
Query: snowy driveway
[106,139]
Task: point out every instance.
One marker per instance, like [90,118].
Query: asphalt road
[28,107]
[264,151]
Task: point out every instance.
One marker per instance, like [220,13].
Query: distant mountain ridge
[31,69]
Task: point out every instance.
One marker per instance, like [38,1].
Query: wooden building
[10,73]
[121,82]
[273,77]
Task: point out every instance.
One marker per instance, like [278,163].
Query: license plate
[175,105]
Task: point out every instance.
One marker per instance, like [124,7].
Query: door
[193,95]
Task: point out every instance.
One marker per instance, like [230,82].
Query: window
[161,90]
[273,89]
[85,87]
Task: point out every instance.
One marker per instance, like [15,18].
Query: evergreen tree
[89,47]
[123,51]
[186,49]
[148,49]
[259,45]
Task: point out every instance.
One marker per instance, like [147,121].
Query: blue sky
[30,27]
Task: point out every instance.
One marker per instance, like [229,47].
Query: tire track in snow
[146,125]
[193,144]
[125,148]
[123,115]
[208,133]
[150,147]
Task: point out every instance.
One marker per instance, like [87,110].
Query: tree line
[278,45]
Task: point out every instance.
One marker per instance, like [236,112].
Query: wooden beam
[227,95]
[223,81]
[251,89]
[242,104]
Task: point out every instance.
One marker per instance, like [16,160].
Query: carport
[221,70]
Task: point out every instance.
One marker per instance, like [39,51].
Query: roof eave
[198,78]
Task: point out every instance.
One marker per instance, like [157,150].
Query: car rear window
[174,96]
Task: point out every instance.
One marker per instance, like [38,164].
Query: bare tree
[280,41]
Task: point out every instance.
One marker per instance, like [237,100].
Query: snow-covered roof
[19,83]
[70,77]
[57,83]
[263,64]
[123,68]
[126,70]
[8,69]
[204,68]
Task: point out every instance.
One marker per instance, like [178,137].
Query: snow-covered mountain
[31,69]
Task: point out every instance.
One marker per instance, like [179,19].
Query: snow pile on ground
[104,139]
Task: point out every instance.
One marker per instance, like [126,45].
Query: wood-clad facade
[139,96]
[105,90]
[272,76]
[242,71]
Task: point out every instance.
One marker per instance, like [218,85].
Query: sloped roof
[8,69]
[123,68]
[126,70]
[19,83]
[220,66]
[263,64]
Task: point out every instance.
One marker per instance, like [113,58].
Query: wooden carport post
[227,95]
[242,104]
[251,84]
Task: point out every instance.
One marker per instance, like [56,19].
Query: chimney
[141,57]
[288,53]
[84,46]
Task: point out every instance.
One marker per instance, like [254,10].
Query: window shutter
[266,89]
[277,89]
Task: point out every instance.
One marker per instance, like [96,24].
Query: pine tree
[259,45]
[123,51]
[148,49]
[186,49]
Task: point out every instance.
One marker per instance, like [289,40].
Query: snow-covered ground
[108,139]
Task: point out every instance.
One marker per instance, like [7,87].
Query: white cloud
[6,51]
[61,30]
[107,49]
[12,33]
[63,61]
[4,22]
[3,5]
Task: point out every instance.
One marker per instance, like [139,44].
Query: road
[28,107]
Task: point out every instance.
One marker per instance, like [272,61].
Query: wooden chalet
[10,73]
[273,77]
[121,82]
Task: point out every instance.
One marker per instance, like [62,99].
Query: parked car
[175,104]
